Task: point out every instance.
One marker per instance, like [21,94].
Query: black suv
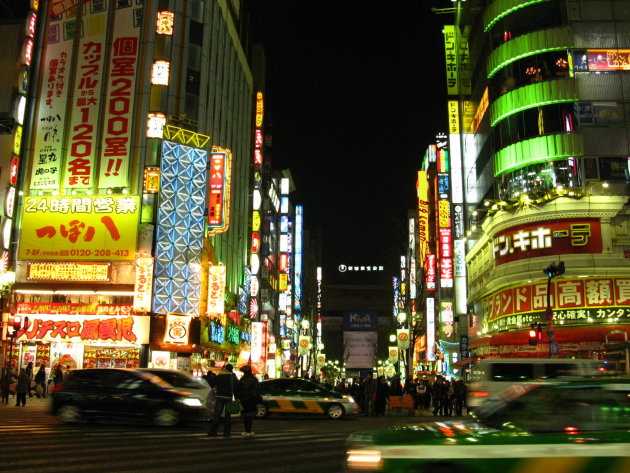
[123,393]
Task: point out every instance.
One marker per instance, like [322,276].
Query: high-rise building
[539,95]
[129,238]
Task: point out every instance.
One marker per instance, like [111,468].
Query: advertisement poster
[79,228]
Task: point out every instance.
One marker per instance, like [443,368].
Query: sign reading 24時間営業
[103,227]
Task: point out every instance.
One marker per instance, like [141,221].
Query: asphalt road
[32,440]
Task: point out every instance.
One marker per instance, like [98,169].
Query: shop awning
[464,362]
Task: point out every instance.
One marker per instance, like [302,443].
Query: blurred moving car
[183,381]
[300,396]
[492,375]
[90,394]
[575,425]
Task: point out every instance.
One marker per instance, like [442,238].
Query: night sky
[356,91]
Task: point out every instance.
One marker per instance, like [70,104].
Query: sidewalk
[31,403]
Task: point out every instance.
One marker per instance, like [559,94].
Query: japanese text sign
[79,228]
[568,236]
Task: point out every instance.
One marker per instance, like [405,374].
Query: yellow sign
[102,227]
[453,117]
[68,271]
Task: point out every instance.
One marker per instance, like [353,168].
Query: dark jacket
[248,392]
[225,384]
[40,376]
[23,382]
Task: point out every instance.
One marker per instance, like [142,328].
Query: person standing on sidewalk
[5,382]
[29,371]
[369,394]
[248,392]
[225,384]
[40,381]
[22,387]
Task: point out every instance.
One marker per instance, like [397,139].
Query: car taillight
[479,394]
[58,387]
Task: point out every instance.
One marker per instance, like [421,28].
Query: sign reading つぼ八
[79,228]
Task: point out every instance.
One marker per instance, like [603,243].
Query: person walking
[248,392]
[40,381]
[369,394]
[460,397]
[225,384]
[29,371]
[21,388]
[382,393]
[439,396]
[421,396]
[5,382]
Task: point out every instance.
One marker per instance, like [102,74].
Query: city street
[34,441]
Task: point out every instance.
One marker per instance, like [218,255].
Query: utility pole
[552,271]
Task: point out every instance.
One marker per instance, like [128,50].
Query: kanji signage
[548,238]
[177,328]
[581,300]
[79,228]
[90,328]
[82,137]
[53,271]
[143,285]
[216,289]
[118,101]
[219,191]
[71,308]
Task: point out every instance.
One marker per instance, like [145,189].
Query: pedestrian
[225,385]
[369,394]
[29,371]
[449,398]
[382,393]
[396,388]
[5,382]
[248,392]
[21,388]
[439,396]
[40,381]
[459,397]
[58,375]
[421,396]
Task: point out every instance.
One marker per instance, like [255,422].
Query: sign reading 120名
[92,228]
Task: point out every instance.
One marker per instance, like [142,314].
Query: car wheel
[166,417]
[261,411]
[335,411]
[69,413]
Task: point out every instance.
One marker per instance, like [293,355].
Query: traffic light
[17,323]
[554,269]
[533,336]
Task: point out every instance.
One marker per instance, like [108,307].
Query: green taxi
[301,396]
[559,426]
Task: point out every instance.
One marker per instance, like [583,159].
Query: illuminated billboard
[219,183]
[103,227]
[180,229]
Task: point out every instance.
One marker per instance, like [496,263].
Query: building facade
[540,120]
[128,237]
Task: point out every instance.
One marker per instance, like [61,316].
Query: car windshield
[155,379]
[560,408]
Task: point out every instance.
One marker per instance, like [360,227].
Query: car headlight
[190,401]
[364,460]
[349,398]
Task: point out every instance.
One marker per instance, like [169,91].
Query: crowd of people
[25,384]
[441,396]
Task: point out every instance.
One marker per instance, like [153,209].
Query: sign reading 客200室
[79,228]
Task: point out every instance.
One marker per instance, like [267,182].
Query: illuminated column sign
[180,229]
[82,138]
[445,239]
[297,259]
[412,258]
[216,289]
[257,161]
[118,101]
[430,316]
[219,191]
[422,187]
[284,267]
[51,111]
[143,286]
[19,111]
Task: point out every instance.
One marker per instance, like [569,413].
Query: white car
[198,387]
